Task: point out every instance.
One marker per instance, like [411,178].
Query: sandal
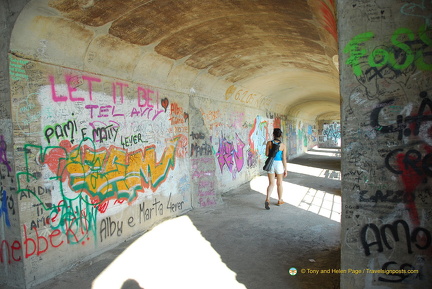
[280,203]
[266,204]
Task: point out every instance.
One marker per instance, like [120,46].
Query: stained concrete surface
[238,244]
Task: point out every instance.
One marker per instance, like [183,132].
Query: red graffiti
[412,176]
[30,246]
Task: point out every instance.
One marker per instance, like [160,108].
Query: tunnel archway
[118,108]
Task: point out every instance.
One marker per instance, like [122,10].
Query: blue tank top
[278,156]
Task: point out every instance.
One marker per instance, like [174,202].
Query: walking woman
[278,169]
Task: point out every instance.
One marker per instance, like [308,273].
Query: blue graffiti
[4,208]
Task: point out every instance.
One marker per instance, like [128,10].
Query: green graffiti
[406,50]
[353,48]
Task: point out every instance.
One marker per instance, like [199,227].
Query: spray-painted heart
[165,103]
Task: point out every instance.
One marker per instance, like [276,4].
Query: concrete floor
[236,245]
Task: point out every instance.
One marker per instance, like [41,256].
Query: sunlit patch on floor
[174,254]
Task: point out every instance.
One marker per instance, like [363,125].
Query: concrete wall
[386,86]
[102,140]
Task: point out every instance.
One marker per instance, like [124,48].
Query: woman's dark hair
[277,132]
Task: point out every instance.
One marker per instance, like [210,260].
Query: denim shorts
[277,168]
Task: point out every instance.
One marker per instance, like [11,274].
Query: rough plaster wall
[386,84]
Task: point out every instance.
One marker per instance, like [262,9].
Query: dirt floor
[238,244]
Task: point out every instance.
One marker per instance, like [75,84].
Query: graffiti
[27,113]
[122,85]
[108,173]
[107,111]
[102,132]
[4,208]
[30,246]
[164,102]
[211,118]
[196,136]
[110,110]
[131,140]
[328,19]
[399,57]
[182,146]
[3,154]
[400,276]
[61,131]
[252,159]
[108,228]
[16,68]
[257,138]
[198,148]
[36,191]
[419,10]
[156,209]
[204,149]
[206,190]
[410,164]
[75,218]
[419,236]
[177,116]
[390,196]
[247,97]
[146,214]
[71,88]
[413,169]
[331,132]
[150,113]
[228,156]
[174,207]
[203,175]
[144,97]
[292,140]
[411,125]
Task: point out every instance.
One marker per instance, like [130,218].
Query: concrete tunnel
[139,111]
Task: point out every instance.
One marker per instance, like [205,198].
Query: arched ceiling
[283,49]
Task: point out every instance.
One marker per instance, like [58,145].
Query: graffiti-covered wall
[301,136]
[329,133]
[97,160]
[100,159]
[386,85]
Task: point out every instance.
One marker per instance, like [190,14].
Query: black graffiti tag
[380,236]
[411,125]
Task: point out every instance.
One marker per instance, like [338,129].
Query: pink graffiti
[228,156]
[71,84]
[145,96]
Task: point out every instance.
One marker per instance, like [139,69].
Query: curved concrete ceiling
[285,50]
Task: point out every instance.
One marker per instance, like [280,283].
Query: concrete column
[11,260]
[386,86]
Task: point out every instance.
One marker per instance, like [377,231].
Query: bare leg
[270,187]
[279,183]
